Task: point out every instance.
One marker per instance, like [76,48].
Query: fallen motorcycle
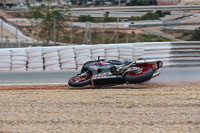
[114,72]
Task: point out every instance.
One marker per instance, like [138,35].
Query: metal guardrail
[183,54]
[164,24]
[177,30]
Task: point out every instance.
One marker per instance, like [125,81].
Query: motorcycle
[115,72]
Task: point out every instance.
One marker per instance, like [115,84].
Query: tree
[49,16]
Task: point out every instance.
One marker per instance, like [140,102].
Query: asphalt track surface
[168,75]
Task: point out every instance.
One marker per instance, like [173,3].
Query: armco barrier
[73,57]
[174,53]
[158,50]
[185,54]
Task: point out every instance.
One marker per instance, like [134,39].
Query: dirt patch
[33,87]
[127,108]
[189,2]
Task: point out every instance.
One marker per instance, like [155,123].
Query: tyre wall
[72,57]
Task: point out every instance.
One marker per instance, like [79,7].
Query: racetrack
[168,75]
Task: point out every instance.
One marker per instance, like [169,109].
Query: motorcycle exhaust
[155,74]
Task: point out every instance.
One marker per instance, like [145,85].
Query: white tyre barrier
[51,62]
[63,60]
[4,69]
[66,48]
[101,50]
[79,58]
[21,68]
[52,68]
[19,60]
[81,47]
[56,58]
[37,54]
[85,51]
[35,65]
[70,65]
[83,54]
[67,58]
[125,52]
[50,55]
[5,53]
[50,50]
[5,65]
[95,55]
[19,53]
[35,59]
[5,60]
[32,69]
[23,63]
[51,59]
[111,58]
[65,53]
[7,57]
[34,50]
[111,52]
[122,58]
[73,57]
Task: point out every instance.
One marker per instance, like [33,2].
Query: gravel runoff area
[147,108]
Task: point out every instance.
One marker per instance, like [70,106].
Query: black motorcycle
[114,72]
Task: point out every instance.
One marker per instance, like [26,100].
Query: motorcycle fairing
[106,78]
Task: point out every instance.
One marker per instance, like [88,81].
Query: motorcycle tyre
[134,79]
[79,84]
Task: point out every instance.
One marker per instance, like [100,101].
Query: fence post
[90,33]
[1,31]
[37,34]
[71,32]
[126,37]
[117,26]
[17,34]
[86,34]
[33,41]
[103,37]
[54,31]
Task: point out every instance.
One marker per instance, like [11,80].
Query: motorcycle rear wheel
[134,78]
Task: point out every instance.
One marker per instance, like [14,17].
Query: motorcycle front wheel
[78,81]
[134,78]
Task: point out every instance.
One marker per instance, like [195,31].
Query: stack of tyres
[5,60]
[51,59]
[19,60]
[35,59]
[67,58]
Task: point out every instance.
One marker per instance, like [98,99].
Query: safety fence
[11,27]
[73,57]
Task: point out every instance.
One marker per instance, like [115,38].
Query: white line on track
[24,84]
